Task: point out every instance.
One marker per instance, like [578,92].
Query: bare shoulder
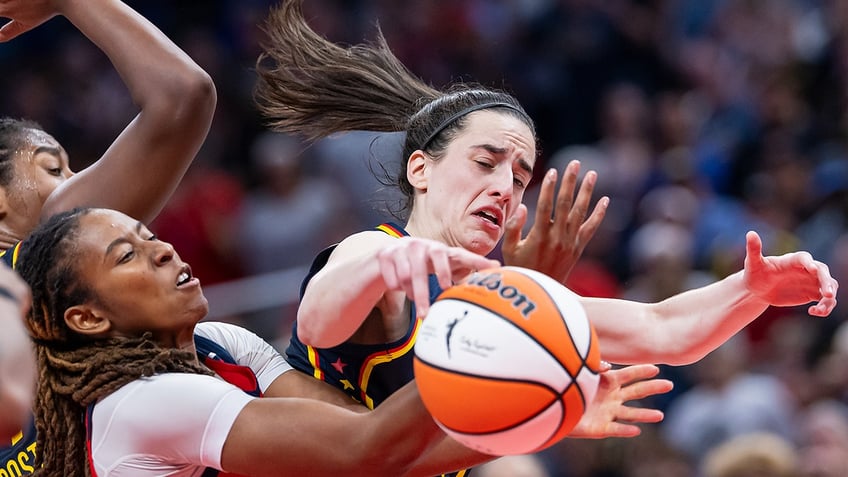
[362,242]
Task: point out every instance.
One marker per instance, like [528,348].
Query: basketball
[506,361]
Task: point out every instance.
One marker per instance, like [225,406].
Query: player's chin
[482,243]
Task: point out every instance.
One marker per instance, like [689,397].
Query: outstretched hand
[788,280]
[25,15]
[560,229]
[408,262]
[608,415]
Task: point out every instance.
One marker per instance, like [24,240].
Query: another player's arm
[561,229]
[294,383]
[142,167]
[684,328]
[306,437]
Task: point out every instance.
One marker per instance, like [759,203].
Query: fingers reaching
[608,415]
[513,227]
[408,264]
[791,279]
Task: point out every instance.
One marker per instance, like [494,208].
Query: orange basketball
[506,361]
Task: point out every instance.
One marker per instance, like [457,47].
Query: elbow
[310,332]
[194,97]
[187,102]
[308,335]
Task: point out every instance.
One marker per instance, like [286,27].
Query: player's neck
[8,237]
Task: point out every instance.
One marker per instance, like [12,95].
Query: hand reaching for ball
[608,415]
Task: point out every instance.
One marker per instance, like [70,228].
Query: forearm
[448,455]
[153,68]
[338,300]
[309,437]
[405,431]
[142,167]
[679,330]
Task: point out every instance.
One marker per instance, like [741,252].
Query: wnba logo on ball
[494,282]
[451,325]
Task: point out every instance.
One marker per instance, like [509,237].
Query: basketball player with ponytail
[468,156]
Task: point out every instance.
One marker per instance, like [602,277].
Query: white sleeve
[173,421]
[247,349]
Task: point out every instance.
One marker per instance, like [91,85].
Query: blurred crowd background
[703,118]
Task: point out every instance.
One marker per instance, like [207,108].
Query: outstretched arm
[142,167]
[291,436]
[560,228]
[608,416]
[684,328]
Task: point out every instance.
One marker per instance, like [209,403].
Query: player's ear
[87,320]
[418,169]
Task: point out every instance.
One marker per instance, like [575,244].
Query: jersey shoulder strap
[218,359]
[10,255]
[392,229]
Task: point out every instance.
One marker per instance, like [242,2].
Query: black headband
[470,109]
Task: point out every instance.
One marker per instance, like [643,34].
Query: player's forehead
[501,131]
[36,137]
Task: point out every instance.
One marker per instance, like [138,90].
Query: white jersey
[175,424]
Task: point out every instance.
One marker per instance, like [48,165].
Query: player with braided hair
[115,323]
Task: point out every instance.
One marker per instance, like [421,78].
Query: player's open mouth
[184,276]
[489,215]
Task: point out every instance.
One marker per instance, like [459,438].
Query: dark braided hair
[74,370]
[12,137]
[312,87]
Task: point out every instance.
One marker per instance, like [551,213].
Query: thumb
[753,246]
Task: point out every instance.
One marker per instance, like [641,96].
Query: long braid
[75,371]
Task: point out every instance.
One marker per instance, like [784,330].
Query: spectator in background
[727,400]
[291,214]
[357,161]
[759,454]
[286,219]
[201,219]
[823,439]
